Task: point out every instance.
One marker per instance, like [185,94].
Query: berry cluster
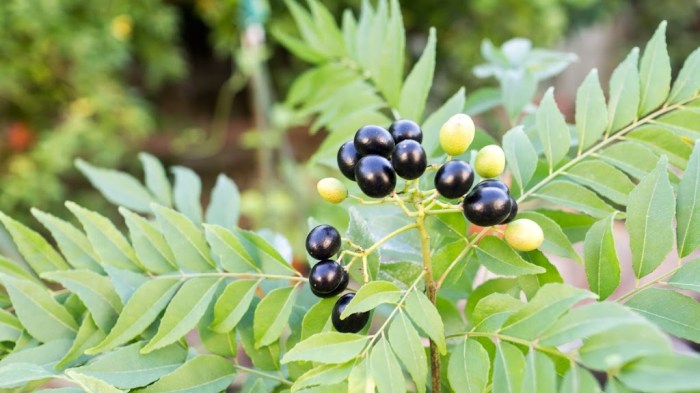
[328,277]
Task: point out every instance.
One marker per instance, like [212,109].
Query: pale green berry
[457,134]
[332,190]
[490,161]
[524,235]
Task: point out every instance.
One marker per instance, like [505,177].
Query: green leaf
[688,206]
[74,245]
[88,336]
[468,368]
[499,258]
[603,178]
[44,355]
[615,346]
[543,310]
[681,121]
[297,47]
[576,197]
[228,250]
[327,348]
[417,84]
[15,270]
[156,179]
[591,111]
[203,373]
[663,373]
[371,295]
[687,83]
[185,240]
[41,315]
[264,254]
[388,79]
[327,29]
[109,244]
[34,248]
[426,317]
[431,125]
[184,311]
[117,187]
[624,93]
[408,346]
[232,304]
[360,379]
[265,358]
[142,309]
[540,375]
[600,258]
[650,220]
[688,276]
[555,241]
[90,384]
[552,130]
[187,193]
[272,314]
[10,327]
[508,369]
[16,375]
[385,369]
[675,313]
[632,158]
[150,246]
[520,155]
[654,72]
[664,142]
[322,376]
[493,310]
[128,368]
[94,290]
[532,283]
[579,380]
[225,203]
[125,282]
[518,87]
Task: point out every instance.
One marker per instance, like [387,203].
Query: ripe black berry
[323,242]
[406,129]
[513,211]
[328,278]
[374,140]
[354,322]
[493,183]
[375,176]
[454,179]
[487,206]
[409,159]
[347,159]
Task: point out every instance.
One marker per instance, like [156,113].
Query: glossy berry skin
[513,211]
[409,160]
[328,278]
[454,179]
[374,140]
[487,206]
[354,322]
[347,159]
[375,176]
[405,129]
[493,183]
[323,242]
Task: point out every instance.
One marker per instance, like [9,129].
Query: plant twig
[265,375]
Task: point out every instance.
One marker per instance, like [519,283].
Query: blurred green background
[196,82]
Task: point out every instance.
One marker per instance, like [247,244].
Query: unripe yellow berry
[490,161]
[524,235]
[332,190]
[457,134]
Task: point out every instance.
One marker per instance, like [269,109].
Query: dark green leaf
[600,258]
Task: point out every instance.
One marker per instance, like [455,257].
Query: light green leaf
[34,248]
[44,355]
[41,315]
[555,241]
[632,158]
[591,111]
[675,313]
[388,79]
[225,203]
[16,375]
[664,142]
[385,369]
[185,239]
[615,386]
[187,193]
[687,83]
[10,327]
[431,125]
[203,373]
[74,245]
[654,72]
[184,311]
[468,368]
[579,380]
[650,220]
[493,310]
[272,315]
[150,246]
[408,346]
[417,84]
[88,336]
[90,384]
[552,130]
[540,375]
[576,197]
[531,284]
[624,93]
[425,316]
[232,304]
[681,121]
[125,281]
[15,270]
[264,254]
[94,290]
[688,206]
[508,369]
[117,187]
[318,318]
[663,373]
[518,87]
[156,179]
[327,348]
[615,346]
[600,258]
[520,155]
[322,376]
[603,178]
[360,379]
[688,276]
[371,295]
[142,309]
[228,250]
[499,258]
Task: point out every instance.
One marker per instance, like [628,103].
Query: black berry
[323,242]
[493,183]
[347,159]
[405,129]
[375,176]
[487,206]
[354,322]
[374,140]
[513,211]
[328,278]
[409,159]
[454,179]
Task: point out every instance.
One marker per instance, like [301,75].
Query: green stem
[519,341]
[655,281]
[265,375]
[389,237]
